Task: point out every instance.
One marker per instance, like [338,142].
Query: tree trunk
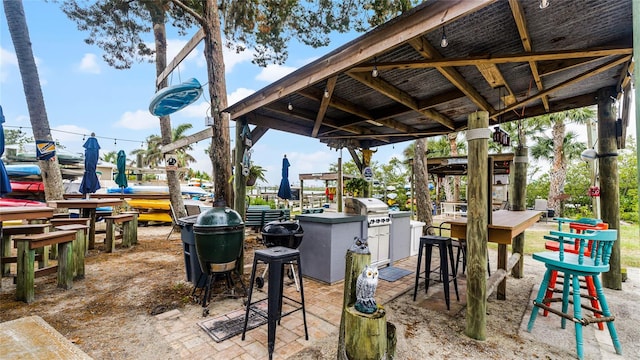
[518,203]
[160,38]
[220,153]
[609,186]
[453,146]
[558,166]
[16,20]
[477,233]
[423,199]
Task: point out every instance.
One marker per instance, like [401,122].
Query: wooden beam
[356,159]
[378,136]
[188,140]
[257,133]
[306,115]
[424,48]
[337,102]
[419,20]
[400,96]
[494,59]
[494,77]
[546,68]
[188,47]
[286,126]
[521,23]
[576,79]
[324,104]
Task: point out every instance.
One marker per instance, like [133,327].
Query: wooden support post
[609,184]
[519,204]
[366,334]
[362,336]
[240,185]
[25,277]
[110,238]
[65,265]
[91,214]
[477,232]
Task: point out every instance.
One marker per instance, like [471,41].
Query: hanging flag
[45,149]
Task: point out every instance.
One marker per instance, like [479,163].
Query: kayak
[19,202]
[149,204]
[154,216]
[23,170]
[27,186]
[157,190]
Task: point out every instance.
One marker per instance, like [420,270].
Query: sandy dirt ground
[110,314]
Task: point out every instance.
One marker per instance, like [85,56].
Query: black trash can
[219,236]
[191,264]
[287,233]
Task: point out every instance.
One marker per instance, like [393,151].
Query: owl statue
[366,290]
[360,246]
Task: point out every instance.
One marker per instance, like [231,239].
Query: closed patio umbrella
[5,184]
[90,182]
[121,177]
[284,192]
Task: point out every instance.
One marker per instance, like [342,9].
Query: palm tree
[153,157]
[14,12]
[110,157]
[564,147]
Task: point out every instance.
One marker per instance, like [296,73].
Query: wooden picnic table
[22,213]
[504,227]
[88,208]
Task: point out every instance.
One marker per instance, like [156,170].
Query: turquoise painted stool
[573,265]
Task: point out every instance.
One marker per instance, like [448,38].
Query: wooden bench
[69,221]
[258,217]
[26,253]
[79,247]
[5,245]
[129,223]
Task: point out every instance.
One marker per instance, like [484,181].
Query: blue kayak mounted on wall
[174,98]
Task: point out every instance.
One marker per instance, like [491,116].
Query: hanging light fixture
[444,42]
[544,4]
[326,93]
[290,106]
[374,72]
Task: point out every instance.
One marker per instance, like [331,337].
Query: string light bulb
[290,107]
[326,93]
[544,4]
[444,42]
[374,72]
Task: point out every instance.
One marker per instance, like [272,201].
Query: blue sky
[83,94]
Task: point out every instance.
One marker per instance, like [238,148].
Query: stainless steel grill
[376,211]
[378,221]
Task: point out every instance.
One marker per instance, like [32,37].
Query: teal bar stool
[573,265]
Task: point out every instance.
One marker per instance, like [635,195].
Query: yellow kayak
[154,216]
[149,204]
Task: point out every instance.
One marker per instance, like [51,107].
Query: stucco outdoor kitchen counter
[327,237]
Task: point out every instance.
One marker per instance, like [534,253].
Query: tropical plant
[256,172]
[110,157]
[563,147]
[356,186]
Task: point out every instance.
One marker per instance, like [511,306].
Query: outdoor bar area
[353,277]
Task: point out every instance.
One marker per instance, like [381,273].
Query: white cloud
[197,110]
[274,72]
[138,120]
[238,95]
[9,63]
[89,64]
[233,58]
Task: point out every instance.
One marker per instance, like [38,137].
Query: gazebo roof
[538,60]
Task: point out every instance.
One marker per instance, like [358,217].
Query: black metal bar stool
[445,246]
[276,258]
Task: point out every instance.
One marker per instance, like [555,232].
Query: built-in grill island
[378,226]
